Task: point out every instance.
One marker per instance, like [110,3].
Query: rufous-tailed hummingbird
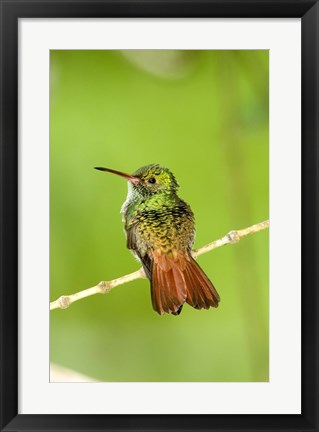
[160,231]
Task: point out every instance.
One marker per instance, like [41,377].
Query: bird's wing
[132,242]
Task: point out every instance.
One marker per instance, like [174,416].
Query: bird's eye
[151,180]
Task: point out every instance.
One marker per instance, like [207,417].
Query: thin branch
[231,238]
[105,286]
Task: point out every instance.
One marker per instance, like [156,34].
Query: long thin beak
[128,177]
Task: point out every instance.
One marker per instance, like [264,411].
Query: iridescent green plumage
[155,217]
[160,231]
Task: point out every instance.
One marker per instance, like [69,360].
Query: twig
[105,286]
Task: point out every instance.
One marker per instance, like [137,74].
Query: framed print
[187,111]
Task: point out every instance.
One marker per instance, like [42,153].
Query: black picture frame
[11,11]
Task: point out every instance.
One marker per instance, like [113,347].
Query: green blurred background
[204,115]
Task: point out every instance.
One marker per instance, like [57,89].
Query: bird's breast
[165,228]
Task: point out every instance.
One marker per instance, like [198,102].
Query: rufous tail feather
[176,279]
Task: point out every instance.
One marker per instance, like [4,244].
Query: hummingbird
[160,231]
